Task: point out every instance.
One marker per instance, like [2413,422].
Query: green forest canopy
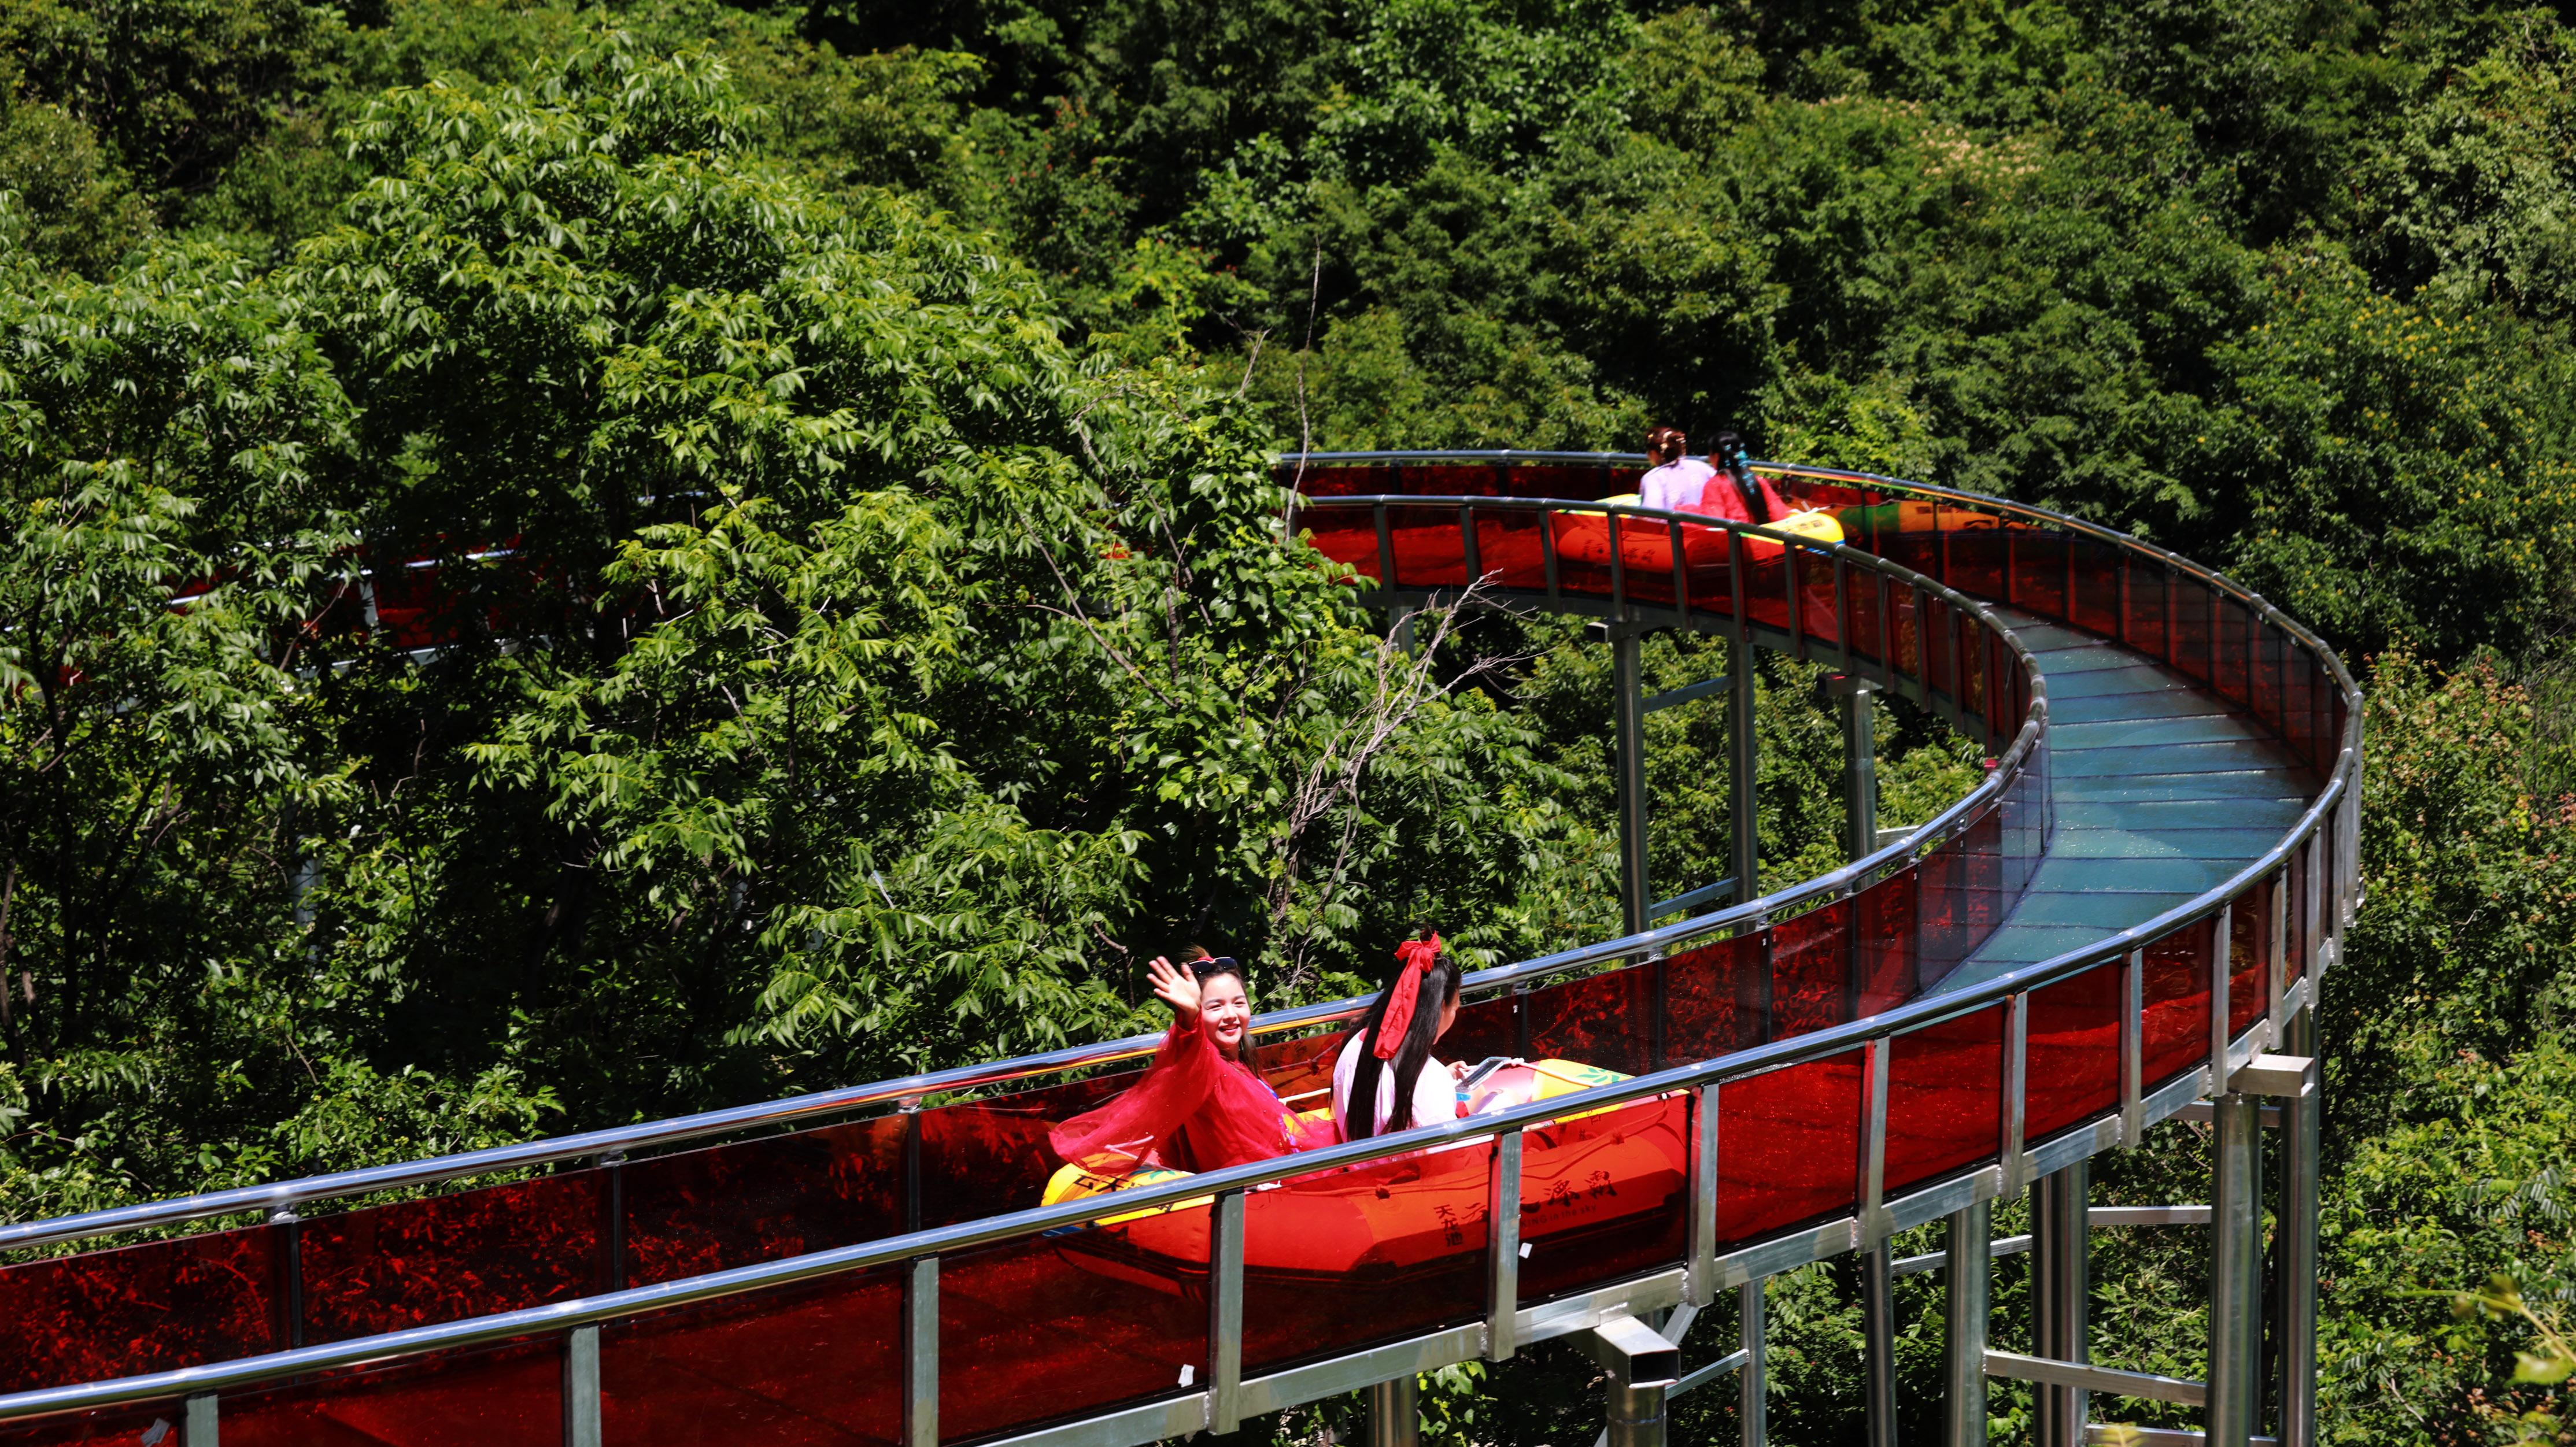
[890,392]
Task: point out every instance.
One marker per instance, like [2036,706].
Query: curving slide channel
[2143,890]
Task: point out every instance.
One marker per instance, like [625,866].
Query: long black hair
[1439,987]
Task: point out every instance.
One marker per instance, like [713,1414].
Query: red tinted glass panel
[1430,547]
[1343,534]
[1087,1320]
[1604,1197]
[1886,915]
[155,1426]
[1343,1259]
[2144,609]
[1976,546]
[760,1200]
[2177,1003]
[1712,586]
[1582,552]
[1787,1147]
[2264,676]
[1511,549]
[1906,628]
[1646,559]
[2073,1052]
[2190,622]
[2096,605]
[1603,1020]
[1706,1014]
[1960,897]
[1811,971]
[1864,591]
[2249,943]
[1766,582]
[140,1309]
[975,1155]
[1485,1028]
[2228,651]
[1944,1098]
[2039,571]
[1915,542]
[1939,663]
[1819,610]
[819,1364]
[471,1254]
[508,1396]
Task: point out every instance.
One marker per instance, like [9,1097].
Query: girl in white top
[1676,480]
[1387,1062]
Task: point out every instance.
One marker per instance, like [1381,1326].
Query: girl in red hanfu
[1201,1106]
[1386,1079]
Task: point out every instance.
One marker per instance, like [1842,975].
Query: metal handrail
[917,1246]
[492,1160]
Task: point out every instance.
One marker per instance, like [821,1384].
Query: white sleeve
[1435,1095]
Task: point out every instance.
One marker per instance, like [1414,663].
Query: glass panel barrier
[501,1248]
[2098,571]
[1712,1003]
[507,1396]
[2072,1053]
[1341,1260]
[818,1364]
[1811,974]
[1885,959]
[2039,571]
[2230,663]
[1343,534]
[1944,1098]
[1604,1020]
[1863,589]
[2189,617]
[1084,1322]
[1511,548]
[2249,936]
[1604,1196]
[760,1200]
[2177,1003]
[138,1309]
[1430,548]
[1973,547]
[1788,1147]
[2143,614]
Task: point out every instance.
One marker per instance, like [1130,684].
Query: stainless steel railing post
[1752,1379]
[2060,1290]
[1963,1351]
[1627,647]
[2301,1140]
[1395,1413]
[2235,1269]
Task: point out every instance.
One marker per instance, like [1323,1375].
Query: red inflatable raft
[1582,1176]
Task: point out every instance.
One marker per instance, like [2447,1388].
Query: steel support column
[2301,1128]
[1637,1415]
[1878,1342]
[1860,767]
[1743,765]
[1751,1410]
[2235,1269]
[2060,1289]
[1627,671]
[1963,1352]
[1395,1413]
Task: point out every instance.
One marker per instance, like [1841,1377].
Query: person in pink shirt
[1676,480]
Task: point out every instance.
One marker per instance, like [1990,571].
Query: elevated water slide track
[1949,1019]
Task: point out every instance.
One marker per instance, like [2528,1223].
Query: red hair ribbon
[1414,959]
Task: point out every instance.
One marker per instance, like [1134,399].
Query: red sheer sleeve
[1114,1139]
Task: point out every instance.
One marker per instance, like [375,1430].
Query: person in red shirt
[1201,1105]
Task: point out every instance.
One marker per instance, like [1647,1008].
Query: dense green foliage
[895,644]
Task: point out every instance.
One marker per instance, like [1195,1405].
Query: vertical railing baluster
[1617,527]
[1547,549]
[1752,1380]
[1886,630]
[1681,574]
[2133,1049]
[201,1422]
[1793,562]
[1735,563]
[1873,1142]
[1472,547]
[1699,1284]
[581,1406]
[921,1354]
[2218,1002]
[1503,1235]
[1225,1313]
[1385,555]
[2016,1088]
